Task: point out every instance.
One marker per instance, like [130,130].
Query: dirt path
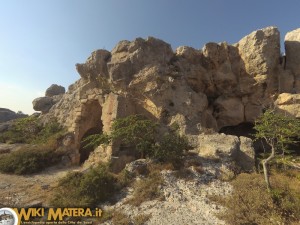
[33,190]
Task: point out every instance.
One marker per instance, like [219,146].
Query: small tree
[135,130]
[278,131]
[142,134]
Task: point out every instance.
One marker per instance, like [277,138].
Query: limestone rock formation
[55,89]
[6,115]
[210,88]
[52,96]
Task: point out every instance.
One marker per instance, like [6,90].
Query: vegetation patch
[87,189]
[252,203]
[30,130]
[147,188]
[141,134]
[141,219]
[120,218]
[29,159]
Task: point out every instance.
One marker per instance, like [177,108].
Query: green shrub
[137,131]
[29,160]
[23,130]
[85,189]
[141,134]
[95,140]
[252,203]
[171,148]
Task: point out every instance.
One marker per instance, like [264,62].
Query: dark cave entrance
[243,129]
[247,130]
[89,124]
[86,151]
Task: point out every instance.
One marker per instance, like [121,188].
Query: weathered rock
[218,146]
[260,51]
[95,65]
[289,104]
[55,89]
[42,104]
[129,58]
[6,115]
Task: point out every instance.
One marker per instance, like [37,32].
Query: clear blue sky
[42,40]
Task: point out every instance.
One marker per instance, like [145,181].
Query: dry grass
[141,219]
[148,188]
[251,203]
[120,218]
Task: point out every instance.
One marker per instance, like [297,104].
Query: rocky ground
[185,200]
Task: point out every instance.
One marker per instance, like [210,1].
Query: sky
[42,40]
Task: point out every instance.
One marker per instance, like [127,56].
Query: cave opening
[247,130]
[84,150]
[243,129]
[90,123]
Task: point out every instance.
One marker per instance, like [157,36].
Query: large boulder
[55,89]
[260,51]
[42,104]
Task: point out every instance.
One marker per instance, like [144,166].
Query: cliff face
[217,86]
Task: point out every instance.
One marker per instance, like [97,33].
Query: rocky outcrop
[52,96]
[6,115]
[55,89]
[199,89]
